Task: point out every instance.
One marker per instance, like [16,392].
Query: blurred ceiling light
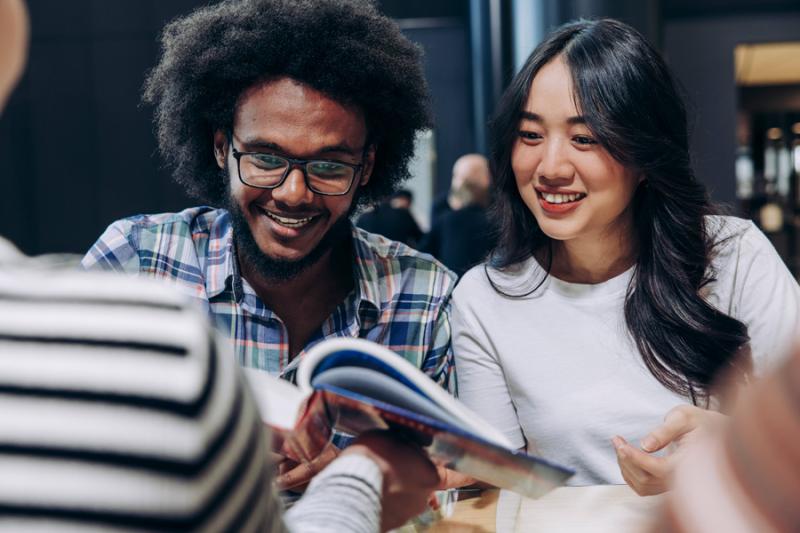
[774,134]
[767,63]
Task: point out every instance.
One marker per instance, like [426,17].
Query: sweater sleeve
[766,297]
[345,497]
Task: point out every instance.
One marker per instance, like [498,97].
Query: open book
[354,385]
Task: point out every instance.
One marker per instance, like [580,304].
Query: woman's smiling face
[571,184]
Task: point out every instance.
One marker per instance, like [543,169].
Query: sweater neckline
[611,287]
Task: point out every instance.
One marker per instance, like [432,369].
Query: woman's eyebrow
[529,115]
[535,117]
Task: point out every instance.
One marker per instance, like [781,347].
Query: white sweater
[558,372]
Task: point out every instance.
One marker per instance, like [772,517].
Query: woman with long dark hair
[615,295]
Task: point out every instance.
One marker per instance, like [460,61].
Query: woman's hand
[649,474]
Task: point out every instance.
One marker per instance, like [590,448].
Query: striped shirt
[400,298]
[120,411]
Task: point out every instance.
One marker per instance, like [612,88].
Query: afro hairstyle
[344,49]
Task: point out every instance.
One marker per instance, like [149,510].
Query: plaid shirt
[401,297]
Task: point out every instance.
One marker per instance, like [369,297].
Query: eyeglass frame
[295,163]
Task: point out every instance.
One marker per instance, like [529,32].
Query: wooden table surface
[475,515]
[595,509]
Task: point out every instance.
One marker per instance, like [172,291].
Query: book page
[447,445]
[378,386]
[279,402]
[351,352]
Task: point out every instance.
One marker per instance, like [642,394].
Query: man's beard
[281,270]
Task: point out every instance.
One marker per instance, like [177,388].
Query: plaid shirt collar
[221,268]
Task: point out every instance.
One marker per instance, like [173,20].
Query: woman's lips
[559,203]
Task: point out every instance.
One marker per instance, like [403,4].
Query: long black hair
[632,105]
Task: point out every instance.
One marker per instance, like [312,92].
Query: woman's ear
[220,147]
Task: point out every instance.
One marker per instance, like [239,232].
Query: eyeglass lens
[267,170]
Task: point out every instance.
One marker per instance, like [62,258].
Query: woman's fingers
[644,473]
[678,421]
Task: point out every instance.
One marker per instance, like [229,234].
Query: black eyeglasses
[263,170]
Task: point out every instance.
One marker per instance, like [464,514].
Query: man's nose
[293,190]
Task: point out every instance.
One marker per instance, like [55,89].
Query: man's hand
[294,475]
[450,479]
[408,476]
[649,474]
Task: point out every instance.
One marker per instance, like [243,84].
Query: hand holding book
[294,475]
[408,475]
[353,386]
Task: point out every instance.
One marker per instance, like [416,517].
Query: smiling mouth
[290,222]
[559,198]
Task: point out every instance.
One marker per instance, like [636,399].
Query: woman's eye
[530,135]
[583,140]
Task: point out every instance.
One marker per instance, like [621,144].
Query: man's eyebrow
[535,117]
[260,144]
[339,148]
[264,145]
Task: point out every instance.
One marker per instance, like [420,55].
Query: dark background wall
[699,47]
[447,68]
[77,150]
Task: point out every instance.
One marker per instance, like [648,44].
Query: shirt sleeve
[766,297]
[346,496]
[114,250]
[439,363]
[481,382]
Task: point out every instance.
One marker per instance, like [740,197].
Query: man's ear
[220,147]
[369,165]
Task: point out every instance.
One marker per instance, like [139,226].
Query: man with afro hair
[282,117]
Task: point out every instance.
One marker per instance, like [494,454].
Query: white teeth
[561,198]
[289,222]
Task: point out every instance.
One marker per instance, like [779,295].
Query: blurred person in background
[460,236]
[393,219]
[13,47]
[122,411]
[472,167]
[744,476]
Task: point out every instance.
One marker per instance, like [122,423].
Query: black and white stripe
[120,411]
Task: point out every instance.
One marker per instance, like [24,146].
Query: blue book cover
[349,386]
